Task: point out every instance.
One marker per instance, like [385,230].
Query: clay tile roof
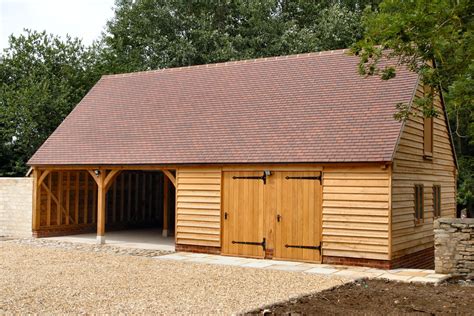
[302,108]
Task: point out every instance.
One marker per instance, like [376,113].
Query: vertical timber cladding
[280,212]
[356,212]
[198,207]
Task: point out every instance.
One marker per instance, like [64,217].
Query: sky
[79,18]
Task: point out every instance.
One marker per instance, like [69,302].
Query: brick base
[64,231]
[198,249]
[347,261]
[423,259]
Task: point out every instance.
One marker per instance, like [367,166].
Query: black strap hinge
[264,178]
[303,178]
[304,247]
[263,244]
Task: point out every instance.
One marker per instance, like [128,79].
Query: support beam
[101,193]
[36,201]
[165,207]
[170,176]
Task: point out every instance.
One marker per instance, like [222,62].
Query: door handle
[278,218]
[225,215]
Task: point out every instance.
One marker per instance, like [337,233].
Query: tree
[42,78]
[151,34]
[418,33]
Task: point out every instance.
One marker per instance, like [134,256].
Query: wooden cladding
[411,167]
[356,212]
[198,205]
[428,128]
[419,203]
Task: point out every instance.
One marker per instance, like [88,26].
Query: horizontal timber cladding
[198,206]
[68,201]
[356,212]
[410,168]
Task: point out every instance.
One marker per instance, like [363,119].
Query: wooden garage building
[295,157]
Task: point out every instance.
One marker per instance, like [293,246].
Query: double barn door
[280,212]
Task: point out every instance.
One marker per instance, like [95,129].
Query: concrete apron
[151,239]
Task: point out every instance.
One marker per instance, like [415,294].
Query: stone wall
[454,246]
[16,198]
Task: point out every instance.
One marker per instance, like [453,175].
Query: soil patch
[382,297]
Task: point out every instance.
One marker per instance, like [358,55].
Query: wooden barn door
[298,218]
[242,208]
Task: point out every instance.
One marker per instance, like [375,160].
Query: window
[419,203]
[437,200]
[428,130]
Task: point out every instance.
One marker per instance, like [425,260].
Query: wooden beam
[76,198]
[68,196]
[101,194]
[86,197]
[56,200]
[48,206]
[60,197]
[122,196]
[170,176]
[94,176]
[165,207]
[36,201]
[44,174]
[109,179]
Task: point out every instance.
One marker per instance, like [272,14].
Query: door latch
[278,218]
[225,215]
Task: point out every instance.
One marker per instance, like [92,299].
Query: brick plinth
[379,264]
[198,249]
[64,231]
[423,259]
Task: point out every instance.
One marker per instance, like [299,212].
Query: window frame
[419,204]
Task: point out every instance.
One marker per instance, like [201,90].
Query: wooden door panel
[298,197]
[242,213]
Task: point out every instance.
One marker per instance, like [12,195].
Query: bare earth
[37,279]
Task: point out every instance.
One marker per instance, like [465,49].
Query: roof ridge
[232,63]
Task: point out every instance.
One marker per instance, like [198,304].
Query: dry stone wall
[16,198]
[454,246]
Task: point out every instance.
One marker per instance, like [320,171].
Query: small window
[437,200]
[419,203]
[428,131]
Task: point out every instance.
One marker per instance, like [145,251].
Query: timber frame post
[165,206]
[36,199]
[103,179]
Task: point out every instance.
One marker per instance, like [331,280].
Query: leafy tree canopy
[42,78]
[151,34]
[421,32]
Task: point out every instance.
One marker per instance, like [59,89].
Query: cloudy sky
[79,18]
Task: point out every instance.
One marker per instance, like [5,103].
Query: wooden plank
[68,196]
[122,197]
[60,197]
[76,198]
[114,202]
[165,206]
[48,209]
[36,201]
[86,197]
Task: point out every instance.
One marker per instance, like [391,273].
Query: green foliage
[151,34]
[41,79]
[416,33]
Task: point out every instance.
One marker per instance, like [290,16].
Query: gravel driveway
[37,279]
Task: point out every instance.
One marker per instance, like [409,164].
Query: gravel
[67,280]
